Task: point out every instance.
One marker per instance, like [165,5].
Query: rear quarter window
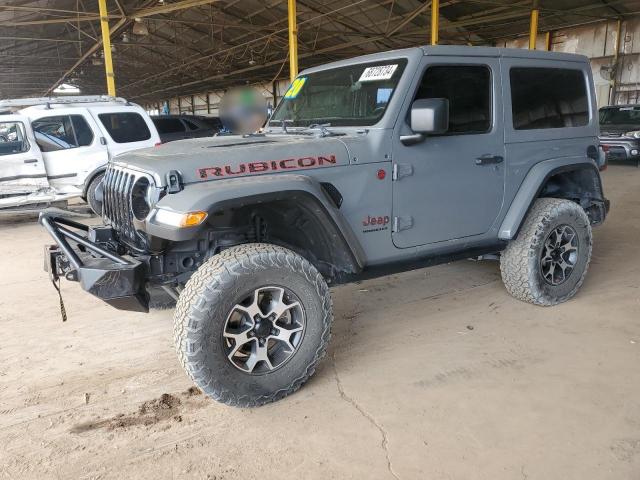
[168,125]
[125,127]
[548,98]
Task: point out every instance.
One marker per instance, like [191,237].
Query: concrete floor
[435,374]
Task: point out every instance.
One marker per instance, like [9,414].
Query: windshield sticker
[381,72]
[295,87]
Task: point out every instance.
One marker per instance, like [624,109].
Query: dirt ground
[436,373]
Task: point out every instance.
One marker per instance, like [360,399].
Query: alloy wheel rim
[559,255]
[264,330]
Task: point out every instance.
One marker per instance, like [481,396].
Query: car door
[22,170]
[451,186]
[70,147]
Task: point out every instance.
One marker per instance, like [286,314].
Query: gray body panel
[455,205]
[441,191]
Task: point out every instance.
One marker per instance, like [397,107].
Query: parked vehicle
[179,127]
[620,132]
[54,149]
[380,163]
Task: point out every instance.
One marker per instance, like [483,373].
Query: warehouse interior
[188,53]
[435,373]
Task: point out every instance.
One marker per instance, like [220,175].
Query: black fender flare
[89,179]
[220,195]
[532,186]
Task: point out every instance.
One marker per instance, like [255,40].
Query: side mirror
[429,116]
[103,141]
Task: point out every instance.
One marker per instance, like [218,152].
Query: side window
[548,98]
[84,134]
[168,125]
[61,132]
[125,127]
[12,138]
[190,125]
[468,89]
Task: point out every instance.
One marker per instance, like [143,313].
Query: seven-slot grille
[116,210]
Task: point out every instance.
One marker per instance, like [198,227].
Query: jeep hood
[217,158]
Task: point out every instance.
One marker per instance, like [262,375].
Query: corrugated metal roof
[217,43]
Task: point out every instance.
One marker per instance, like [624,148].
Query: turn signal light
[177,219]
[192,219]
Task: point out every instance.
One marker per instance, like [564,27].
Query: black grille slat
[108,211]
[118,185]
[117,199]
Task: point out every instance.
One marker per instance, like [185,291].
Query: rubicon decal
[267,166]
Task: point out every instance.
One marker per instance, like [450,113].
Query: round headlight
[140,204]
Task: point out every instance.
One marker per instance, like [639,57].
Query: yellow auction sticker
[295,87]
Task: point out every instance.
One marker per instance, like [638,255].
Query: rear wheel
[548,261]
[252,324]
[94,198]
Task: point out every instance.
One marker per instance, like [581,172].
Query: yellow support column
[548,40]
[293,41]
[106,45]
[533,27]
[435,21]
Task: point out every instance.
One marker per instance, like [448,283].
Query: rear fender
[534,184]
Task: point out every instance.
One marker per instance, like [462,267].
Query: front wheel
[94,196]
[548,261]
[252,324]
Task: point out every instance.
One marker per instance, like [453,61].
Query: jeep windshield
[628,116]
[355,95]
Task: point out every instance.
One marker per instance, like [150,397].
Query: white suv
[53,149]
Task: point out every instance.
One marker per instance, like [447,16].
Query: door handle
[489,159]
[31,160]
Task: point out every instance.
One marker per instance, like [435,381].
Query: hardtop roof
[455,50]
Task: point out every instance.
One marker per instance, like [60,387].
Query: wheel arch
[301,214]
[571,178]
[90,178]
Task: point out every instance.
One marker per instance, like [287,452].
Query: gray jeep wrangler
[381,163]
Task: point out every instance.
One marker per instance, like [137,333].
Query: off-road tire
[96,206]
[520,261]
[207,300]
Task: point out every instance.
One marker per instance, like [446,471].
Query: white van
[53,149]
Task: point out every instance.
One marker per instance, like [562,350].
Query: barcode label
[382,72]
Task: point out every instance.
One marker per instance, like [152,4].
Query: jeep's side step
[421,262]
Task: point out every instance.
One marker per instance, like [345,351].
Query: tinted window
[125,127]
[61,132]
[168,125]
[213,122]
[191,125]
[468,89]
[12,138]
[548,98]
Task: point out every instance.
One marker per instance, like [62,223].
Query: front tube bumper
[117,280]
